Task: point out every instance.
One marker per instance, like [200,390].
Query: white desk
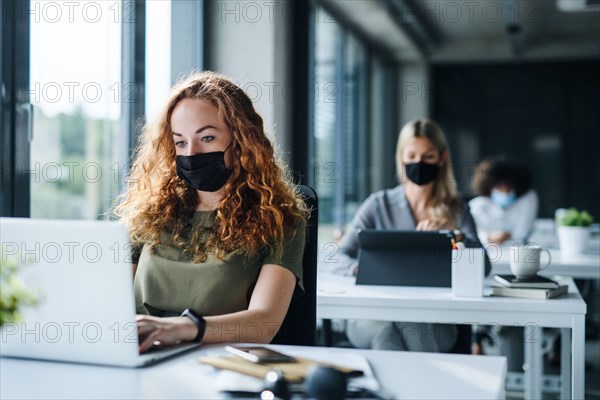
[339,297]
[405,375]
[585,266]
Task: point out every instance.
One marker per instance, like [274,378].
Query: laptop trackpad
[156,353]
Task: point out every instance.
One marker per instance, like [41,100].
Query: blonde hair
[260,204]
[444,205]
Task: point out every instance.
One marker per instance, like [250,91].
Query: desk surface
[339,297]
[404,374]
[584,266]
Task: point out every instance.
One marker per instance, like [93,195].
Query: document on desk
[349,360]
[230,381]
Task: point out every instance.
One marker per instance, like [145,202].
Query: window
[339,174]
[352,127]
[327,122]
[158,55]
[76,91]
[74,98]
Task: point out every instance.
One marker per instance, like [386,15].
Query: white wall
[414,91]
[186,37]
[247,41]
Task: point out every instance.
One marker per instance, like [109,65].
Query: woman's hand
[430,225]
[167,331]
[498,237]
[477,349]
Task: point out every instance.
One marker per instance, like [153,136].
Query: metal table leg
[565,363]
[533,362]
[578,357]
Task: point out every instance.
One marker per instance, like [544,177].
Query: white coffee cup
[525,260]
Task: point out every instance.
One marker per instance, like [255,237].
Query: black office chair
[463,340]
[300,323]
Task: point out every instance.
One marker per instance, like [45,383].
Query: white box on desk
[468,266]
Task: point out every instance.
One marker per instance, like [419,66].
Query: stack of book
[537,287]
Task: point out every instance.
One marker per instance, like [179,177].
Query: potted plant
[574,231]
[13,293]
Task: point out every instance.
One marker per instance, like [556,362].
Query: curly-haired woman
[219,225]
[506,206]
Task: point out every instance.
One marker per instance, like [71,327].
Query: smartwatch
[198,320]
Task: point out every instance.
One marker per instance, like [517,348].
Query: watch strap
[198,320]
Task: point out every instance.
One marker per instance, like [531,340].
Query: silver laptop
[81,272]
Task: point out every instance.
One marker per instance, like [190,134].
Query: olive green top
[167,282]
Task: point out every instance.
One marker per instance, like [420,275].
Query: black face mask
[205,172]
[422,173]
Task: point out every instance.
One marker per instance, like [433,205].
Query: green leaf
[575,218]
[13,293]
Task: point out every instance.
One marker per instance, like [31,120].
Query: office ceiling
[372,19]
[483,30]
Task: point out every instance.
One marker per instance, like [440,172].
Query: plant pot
[573,240]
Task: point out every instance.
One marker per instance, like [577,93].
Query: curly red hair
[260,204]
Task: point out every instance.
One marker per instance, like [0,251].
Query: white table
[585,266]
[405,375]
[339,298]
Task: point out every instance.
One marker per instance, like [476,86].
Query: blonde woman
[425,200]
[221,229]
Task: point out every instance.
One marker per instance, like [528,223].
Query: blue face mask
[503,199]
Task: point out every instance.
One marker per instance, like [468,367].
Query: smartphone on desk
[259,354]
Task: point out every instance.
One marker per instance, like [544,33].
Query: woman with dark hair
[220,226]
[506,206]
[504,211]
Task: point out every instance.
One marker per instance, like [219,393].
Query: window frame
[373,172]
[16,117]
